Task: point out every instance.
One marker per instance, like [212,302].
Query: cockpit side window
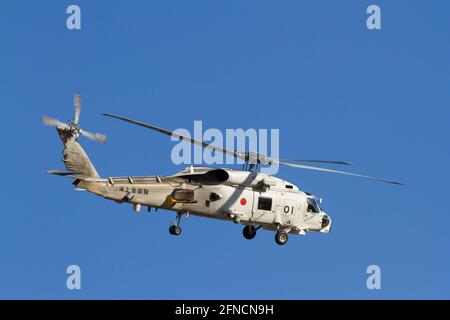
[312,206]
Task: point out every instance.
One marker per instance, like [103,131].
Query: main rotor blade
[318,161]
[54,123]
[77,108]
[179,136]
[294,165]
[244,155]
[93,136]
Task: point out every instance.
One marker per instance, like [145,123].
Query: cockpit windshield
[313,206]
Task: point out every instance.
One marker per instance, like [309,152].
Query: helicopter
[247,196]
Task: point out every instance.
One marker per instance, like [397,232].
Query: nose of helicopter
[326,223]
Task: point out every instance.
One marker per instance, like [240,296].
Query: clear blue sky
[336,90]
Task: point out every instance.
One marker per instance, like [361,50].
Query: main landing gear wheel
[175,230]
[281,237]
[249,232]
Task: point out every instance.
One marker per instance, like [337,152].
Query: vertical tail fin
[76,159]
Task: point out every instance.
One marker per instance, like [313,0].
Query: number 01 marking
[288,209]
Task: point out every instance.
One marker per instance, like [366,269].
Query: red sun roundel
[243,201]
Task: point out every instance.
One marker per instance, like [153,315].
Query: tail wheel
[249,232]
[281,238]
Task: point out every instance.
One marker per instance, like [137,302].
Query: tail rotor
[72,129]
[77,108]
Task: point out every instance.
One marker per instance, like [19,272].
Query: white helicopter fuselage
[244,197]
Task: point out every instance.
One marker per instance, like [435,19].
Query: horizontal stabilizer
[60,172]
[72,175]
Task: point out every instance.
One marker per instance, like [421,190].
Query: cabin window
[145,191]
[140,191]
[288,186]
[265,203]
[133,190]
[183,194]
[121,189]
